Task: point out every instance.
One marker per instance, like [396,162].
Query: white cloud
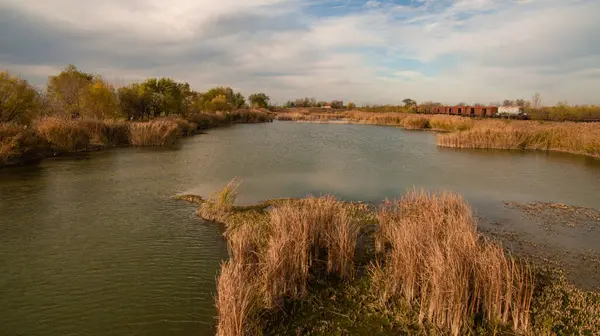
[476,50]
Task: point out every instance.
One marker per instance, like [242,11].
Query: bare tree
[536,101]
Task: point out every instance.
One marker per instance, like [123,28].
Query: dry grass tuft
[300,232]
[415,122]
[236,300]
[450,123]
[436,261]
[64,135]
[154,133]
[116,133]
[218,207]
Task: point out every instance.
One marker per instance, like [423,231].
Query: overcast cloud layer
[364,51]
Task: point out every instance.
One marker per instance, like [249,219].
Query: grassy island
[412,266]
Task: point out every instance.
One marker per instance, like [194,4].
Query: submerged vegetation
[417,265]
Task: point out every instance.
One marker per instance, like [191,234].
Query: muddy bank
[557,235]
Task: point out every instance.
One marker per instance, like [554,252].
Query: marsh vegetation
[414,265]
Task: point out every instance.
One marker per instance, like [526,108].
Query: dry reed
[236,300]
[436,261]
[450,123]
[218,207]
[300,231]
[154,133]
[63,135]
[415,122]
[568,137]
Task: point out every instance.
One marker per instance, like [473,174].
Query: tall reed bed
[271,263]
[431,258]
[568,137]
[435,260]
[65,135]
[154,133]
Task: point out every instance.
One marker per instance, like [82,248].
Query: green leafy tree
[337,104]
[259,100]
[409,102]
[19,101]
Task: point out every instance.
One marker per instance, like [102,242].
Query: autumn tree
[259,100]
[65,91]
[351,106]
[19,101]
[508,102]
[99,100]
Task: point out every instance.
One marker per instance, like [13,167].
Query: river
[92,244]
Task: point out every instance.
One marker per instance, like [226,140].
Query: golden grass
[415,122]
[299,232]
[271,261]
[218,207]
[577,138]
[236,300]
[440,122]
[433,258]
[154,133]
[63,135]
[436,261]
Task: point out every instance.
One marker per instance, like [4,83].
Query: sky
[368,52]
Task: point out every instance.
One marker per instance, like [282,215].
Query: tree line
[75,94]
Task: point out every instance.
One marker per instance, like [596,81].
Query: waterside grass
[48,136]
[463,132]
[569,137]
[416,265]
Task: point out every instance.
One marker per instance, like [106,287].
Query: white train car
[511,111]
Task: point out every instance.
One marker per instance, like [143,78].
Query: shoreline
[351,306]
[463,132]
[85,136]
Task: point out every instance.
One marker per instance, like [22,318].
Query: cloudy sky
[376,51]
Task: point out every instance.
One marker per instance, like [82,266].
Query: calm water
[93,245]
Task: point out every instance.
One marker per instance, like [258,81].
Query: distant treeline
[74,94]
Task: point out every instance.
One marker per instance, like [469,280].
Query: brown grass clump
[562,137]
[116,133]
[249,117]
[96,130]
[63,135]
[299,233]
[450,123]
[207,120]
[236,301]
[218,207]
[436,261]
[154,133]
[415,122]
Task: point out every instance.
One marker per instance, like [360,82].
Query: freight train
[516,112]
